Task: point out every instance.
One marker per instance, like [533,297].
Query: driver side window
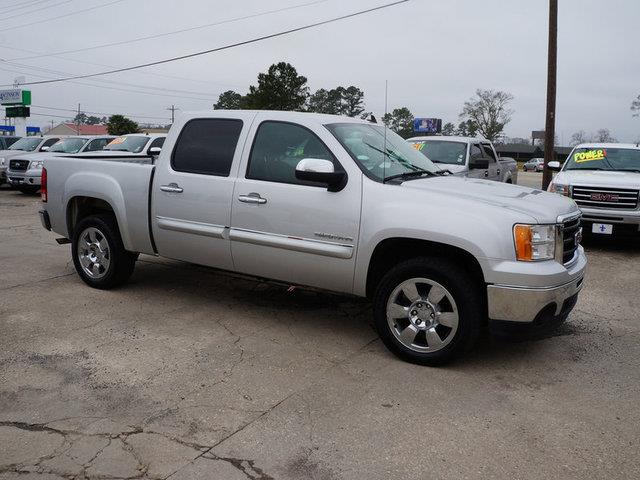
[475,152]
[277,149]
[49,143]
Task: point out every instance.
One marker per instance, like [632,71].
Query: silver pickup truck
[333,203]
[467,157]
[604,180]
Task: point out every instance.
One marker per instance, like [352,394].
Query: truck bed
[124,182]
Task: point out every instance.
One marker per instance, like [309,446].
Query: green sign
[20,112]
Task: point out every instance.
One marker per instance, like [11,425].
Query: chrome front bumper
[525,304]
[18,179]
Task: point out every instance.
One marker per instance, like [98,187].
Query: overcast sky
[434,54]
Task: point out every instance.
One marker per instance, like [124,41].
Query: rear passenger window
[277,149]
[207,146]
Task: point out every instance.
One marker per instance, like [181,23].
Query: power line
[15,7]
[174,32]
[39,9]
[77,12]
[218,49]
[99,113]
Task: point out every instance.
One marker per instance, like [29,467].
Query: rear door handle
[172,187]
[252,198]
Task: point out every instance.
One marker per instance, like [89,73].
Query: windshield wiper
[588,168]
[409,175]
[636,170]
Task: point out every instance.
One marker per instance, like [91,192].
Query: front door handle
[172,187]
[486,173]
[498,171]
[252,198]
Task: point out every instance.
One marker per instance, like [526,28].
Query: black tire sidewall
[120,260]
[465,294]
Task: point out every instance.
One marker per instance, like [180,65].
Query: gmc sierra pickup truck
[467,157]
[333,203]
[604,180]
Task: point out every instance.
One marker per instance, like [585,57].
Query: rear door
[287,229]
[192,190]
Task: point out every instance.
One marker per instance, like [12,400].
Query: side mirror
[479,163]
[554,166]
[320,171]
[155,151]
[45,149]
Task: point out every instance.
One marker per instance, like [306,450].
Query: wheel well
[82,207]
[392,251]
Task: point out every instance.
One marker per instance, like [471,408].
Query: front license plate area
[602,228]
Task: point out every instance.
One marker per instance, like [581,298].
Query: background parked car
[7,140]
[25,170]
[534,165]
[24,144]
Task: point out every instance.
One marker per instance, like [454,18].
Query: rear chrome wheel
[93,253]
[422,315]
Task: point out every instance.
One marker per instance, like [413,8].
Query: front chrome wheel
[422,315]
[94,253]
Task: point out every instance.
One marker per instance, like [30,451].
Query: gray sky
[433,53]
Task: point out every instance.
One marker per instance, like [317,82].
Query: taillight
[43,186]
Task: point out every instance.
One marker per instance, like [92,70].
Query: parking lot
[191,373]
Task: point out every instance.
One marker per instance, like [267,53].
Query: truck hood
[543,207]
[599,178]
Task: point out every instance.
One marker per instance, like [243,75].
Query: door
[291,230]
[192,188]
[495,171]
[476,152]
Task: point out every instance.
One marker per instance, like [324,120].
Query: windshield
[439,151]
[26,144]
[69,145]
[366,144]
[604,159]
[127,144]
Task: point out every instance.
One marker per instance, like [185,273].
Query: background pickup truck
[25,170]
[468,157]
[333,203]
[604,180]
[22,146]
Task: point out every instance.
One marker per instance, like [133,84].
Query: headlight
[36,165]
[559,189]
[535,242]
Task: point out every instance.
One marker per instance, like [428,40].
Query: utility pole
[78,120]
[550,127]
[173,109]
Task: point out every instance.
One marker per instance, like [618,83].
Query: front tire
[428,310]
[98,253]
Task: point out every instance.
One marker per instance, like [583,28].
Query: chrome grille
[19,165]
[570,239]
[605,197]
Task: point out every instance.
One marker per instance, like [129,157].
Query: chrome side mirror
[155,151]
[320,171]
[554,166]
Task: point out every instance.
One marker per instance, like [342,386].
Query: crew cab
[24,145]
[24,172]
[334,203]
[467,156]
[604,180]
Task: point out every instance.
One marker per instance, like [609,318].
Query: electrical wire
[218,49]
[77,12]
[32,3]
[39,9]
[98,113]
[174,32]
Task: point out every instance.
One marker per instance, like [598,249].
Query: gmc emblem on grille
[604,197]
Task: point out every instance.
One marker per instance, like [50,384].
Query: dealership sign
[15,96]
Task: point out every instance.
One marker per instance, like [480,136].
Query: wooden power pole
[550,127]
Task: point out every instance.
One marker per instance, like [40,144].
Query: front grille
[570,239]
[19,165]
[605,197]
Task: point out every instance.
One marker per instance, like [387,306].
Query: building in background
[70,128]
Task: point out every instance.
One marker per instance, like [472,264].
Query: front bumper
[624,221]
[529,304]
[28,178]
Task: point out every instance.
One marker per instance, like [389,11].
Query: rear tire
[98,253]
[428,310]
